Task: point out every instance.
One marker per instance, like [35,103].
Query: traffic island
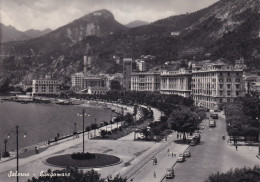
[100,160]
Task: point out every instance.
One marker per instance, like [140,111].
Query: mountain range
[10,33]
[227,29]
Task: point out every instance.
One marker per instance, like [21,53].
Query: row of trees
[237,175]
[74,175]
[163,102]
[242,117]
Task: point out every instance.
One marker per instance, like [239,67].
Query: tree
[103,133]
[146,132]
[237,175]
[115,85]
[184,120]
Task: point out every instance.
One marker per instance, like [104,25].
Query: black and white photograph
[129,90]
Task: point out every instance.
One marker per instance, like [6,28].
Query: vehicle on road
[212,123]
[214,116]
[195,140]
[187,153]
[181,158]
[169,173]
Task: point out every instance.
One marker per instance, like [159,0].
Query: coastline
[116,108]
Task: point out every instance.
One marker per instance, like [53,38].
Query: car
[181,158]
[187,153]
[169,173]
[214,116]
[212,123]
[195,140]
[192,143]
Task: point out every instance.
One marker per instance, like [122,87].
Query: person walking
[154,174]
[177,135]
[236,145]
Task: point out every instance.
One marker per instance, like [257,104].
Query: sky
[42,14]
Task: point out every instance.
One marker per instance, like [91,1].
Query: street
[210,156]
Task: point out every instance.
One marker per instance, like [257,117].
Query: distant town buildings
[127,71]
[45,87]
[145,81]
[209,84]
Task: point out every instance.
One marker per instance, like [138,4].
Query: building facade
[216,83]
[127,71]
[145,81]
[141,65]
[46,87]
[97,90]
[94,81]
[176,82]
[77,81]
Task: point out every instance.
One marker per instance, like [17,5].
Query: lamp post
[17,152]
[5,141]
[75,127]
[83,117]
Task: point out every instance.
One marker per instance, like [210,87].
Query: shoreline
[116,108]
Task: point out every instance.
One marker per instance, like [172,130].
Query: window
[237,93]
[221,86]
[228,93]
[228,86]
[237,86]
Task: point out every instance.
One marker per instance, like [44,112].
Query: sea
[41,122]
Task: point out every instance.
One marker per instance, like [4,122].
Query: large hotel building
[213,84]
[210,84]
[145,81]
[176,82]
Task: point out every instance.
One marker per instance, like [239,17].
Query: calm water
[43,121]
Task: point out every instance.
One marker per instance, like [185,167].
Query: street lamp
[17,152]
[5,141]
[83,116]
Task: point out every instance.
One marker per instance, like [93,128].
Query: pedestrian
[168,152]
[172,154]
[177,135]
[236,146]
[58,135]
[154,174]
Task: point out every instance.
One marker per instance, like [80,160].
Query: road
[210,156]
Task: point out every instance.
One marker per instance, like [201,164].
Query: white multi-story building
[216,83]
[141,65]
[77,80]
[176,82]
[145,81]
[46,87]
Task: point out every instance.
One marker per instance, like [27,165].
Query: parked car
[212,123]
[187,153]
[169,173]
[214,116]
[181,158]
[195,140]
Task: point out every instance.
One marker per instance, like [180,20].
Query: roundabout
[100,160]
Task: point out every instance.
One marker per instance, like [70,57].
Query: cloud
[41,14]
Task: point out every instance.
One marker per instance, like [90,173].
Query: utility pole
[83,114]
[17,155]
